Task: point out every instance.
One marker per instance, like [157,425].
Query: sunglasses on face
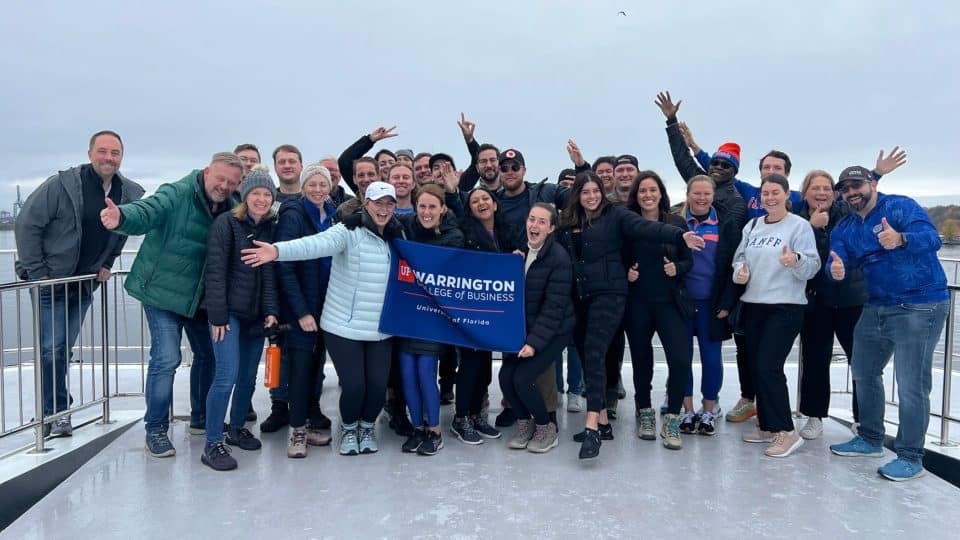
[721,164]
[514,167]
[850,184]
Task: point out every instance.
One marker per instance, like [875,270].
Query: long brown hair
[574,216]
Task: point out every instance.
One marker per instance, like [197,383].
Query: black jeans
[363,368]
[448,368]
[473,378]
[820,324]
[641,320]
[744,373]
[306,376]
[771,330]
[518,380]
[615,357]
[598,317]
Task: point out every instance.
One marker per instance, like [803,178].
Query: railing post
[947,374]
[37,370]
[105,350]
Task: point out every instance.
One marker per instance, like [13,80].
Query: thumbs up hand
[110,216]
[837,271]
[889,238]
[788,258]
[820,217]
[669,267]
[632,273]
[742,276]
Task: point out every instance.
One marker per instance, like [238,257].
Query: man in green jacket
[167,278]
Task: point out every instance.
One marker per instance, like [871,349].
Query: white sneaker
[813,429]
[575,402]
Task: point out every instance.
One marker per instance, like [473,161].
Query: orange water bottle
[271,378]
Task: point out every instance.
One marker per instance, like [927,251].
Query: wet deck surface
[717,487]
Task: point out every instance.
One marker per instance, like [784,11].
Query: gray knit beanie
[259,176]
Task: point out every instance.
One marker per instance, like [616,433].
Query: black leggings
[306,368]
[771,330]
[448,367]
[473,378]
[641,320]
[518,380]
[744,372]
[816,346]
[615,356]
[363,368]
[598,317]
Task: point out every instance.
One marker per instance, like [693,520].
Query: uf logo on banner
[461,297]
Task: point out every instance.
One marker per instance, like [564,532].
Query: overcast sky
[830,83]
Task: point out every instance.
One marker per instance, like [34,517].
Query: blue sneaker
[158,445]
[348,440]
[857,447]
[368,438]
[899,470]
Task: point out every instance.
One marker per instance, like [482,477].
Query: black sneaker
[279,418]
[463,429]
[506,418]
[590,447]
[243,439]
[251,414]
[446,395]
[606,433]
[401,425]
[158,445]
[688,422]
[318,420]
[413,442]
[482,427]
[217,457]
[431,445]
[708,423]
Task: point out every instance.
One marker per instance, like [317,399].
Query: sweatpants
[641,320]
[771,330]
[363,368]
[306,369]
[711,354]
[473,378]
[518,378]
[598,317]
[820,324]
[420,387]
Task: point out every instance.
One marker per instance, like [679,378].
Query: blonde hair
[808,179]
[690,182]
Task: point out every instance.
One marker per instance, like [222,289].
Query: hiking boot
[368,438]
[349,446]
[217,457]
[900,470]
[446,395]
[758,436]
[298,443]
[688,422]
[606,433]
[670,431]
[708,423]
[279,417]
[463,429]
[158,445]
[522,437]
[575,402]
[544,438]
[506,418]
[431,444]
[784,444]
[647,424]
[318,420]
[857,447]
[743,410]
[251,414]
[590,447]
[812,429]
[243,439]
[317,437]
[481,426]
[62,427]
[413,442]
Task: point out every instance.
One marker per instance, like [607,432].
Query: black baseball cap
[511,154]
[627,159]
[441,156]
[855,173]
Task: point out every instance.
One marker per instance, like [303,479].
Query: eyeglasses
[847,185]
[515,167]
[721,164]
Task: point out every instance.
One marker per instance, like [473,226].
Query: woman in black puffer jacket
[549,321]
[240,301]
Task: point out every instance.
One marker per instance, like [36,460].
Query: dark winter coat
[724,293]
[548,309]
[852,291]
[654,285]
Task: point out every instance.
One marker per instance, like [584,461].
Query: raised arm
[686,165]
[470,175]
[356,151]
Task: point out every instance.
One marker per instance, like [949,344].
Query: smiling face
[605,172]
[511,174]
[700,197]
[288,167]
[482,206]
[249,157]
[539,227]
[316,189]
[385,161]
[430,210]
[401,178]
[364,174]
[773,165]
[774,199]
[624,175]
[334,168]
[648,196]
[421,170]
[259,201]
[858,194]
[819,194]
[488,165]
[591,195]
[105,155]
[721,170]
[381,210]
[221,180]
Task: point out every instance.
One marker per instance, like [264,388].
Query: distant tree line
[946,219]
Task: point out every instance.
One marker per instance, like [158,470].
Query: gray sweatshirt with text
[761,248]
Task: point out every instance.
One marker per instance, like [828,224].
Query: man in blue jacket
[891,238]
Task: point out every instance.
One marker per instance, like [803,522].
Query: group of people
[231,257]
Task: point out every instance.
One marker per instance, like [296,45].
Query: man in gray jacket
[59,235]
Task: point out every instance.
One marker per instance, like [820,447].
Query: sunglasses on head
[721,164]
[850,184]
[513,167]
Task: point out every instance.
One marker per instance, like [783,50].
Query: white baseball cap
[378,190]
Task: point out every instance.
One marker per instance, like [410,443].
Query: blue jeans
[201,370]
[910,332]
[62,310]
[238,357]
[574,372]
[166,328]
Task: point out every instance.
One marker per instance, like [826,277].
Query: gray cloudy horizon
[830,85]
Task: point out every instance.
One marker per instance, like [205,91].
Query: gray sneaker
[544,438]
[522,437]
[647,424]
[62,427]
[348,440]
[368,438]
[575,402]
[670,431]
